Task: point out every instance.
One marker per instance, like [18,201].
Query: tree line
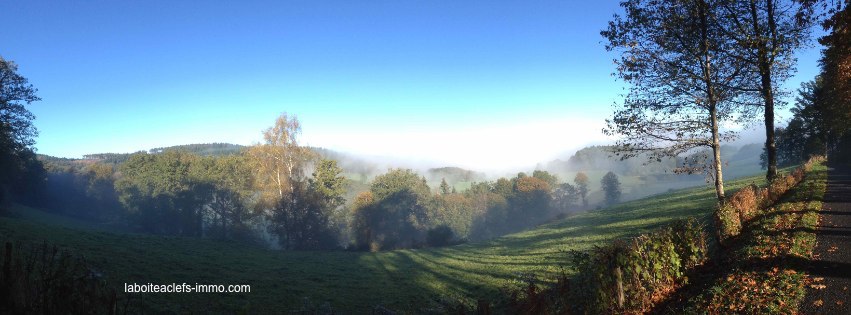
[264,194]
[399,211]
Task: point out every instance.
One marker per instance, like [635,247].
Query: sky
[478,84]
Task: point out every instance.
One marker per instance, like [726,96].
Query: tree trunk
[711,103]
[770,147]
[224,219]
[716,150]
[619,282]
[766,91]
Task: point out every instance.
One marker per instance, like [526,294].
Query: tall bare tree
[767,33]
[674,55]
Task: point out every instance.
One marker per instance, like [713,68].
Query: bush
[727,223]
[440,236]
[743,206]
[630,276]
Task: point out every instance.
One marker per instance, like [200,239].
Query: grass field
[350,281]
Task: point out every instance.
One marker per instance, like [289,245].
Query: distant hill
[742,160]
[205,149]
[60,164]
[114,158]
[453,175]
[601,158]
[356,168]
[640,178]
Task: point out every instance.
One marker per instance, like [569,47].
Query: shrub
[727,223]
[440,236]
[630,276]
[743,206]
[690,241]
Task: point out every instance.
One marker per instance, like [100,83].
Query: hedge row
[630,276]
[743,206]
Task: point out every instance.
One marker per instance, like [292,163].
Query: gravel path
[830,292]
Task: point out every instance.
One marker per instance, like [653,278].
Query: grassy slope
[352,281]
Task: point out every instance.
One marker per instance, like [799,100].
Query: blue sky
[483,84]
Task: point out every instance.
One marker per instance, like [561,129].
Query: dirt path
[830,292]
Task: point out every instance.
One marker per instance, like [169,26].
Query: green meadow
[354,282]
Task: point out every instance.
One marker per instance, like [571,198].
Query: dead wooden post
[112,303]
[7,264]
[484,308]
[6,290]
[619,280]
